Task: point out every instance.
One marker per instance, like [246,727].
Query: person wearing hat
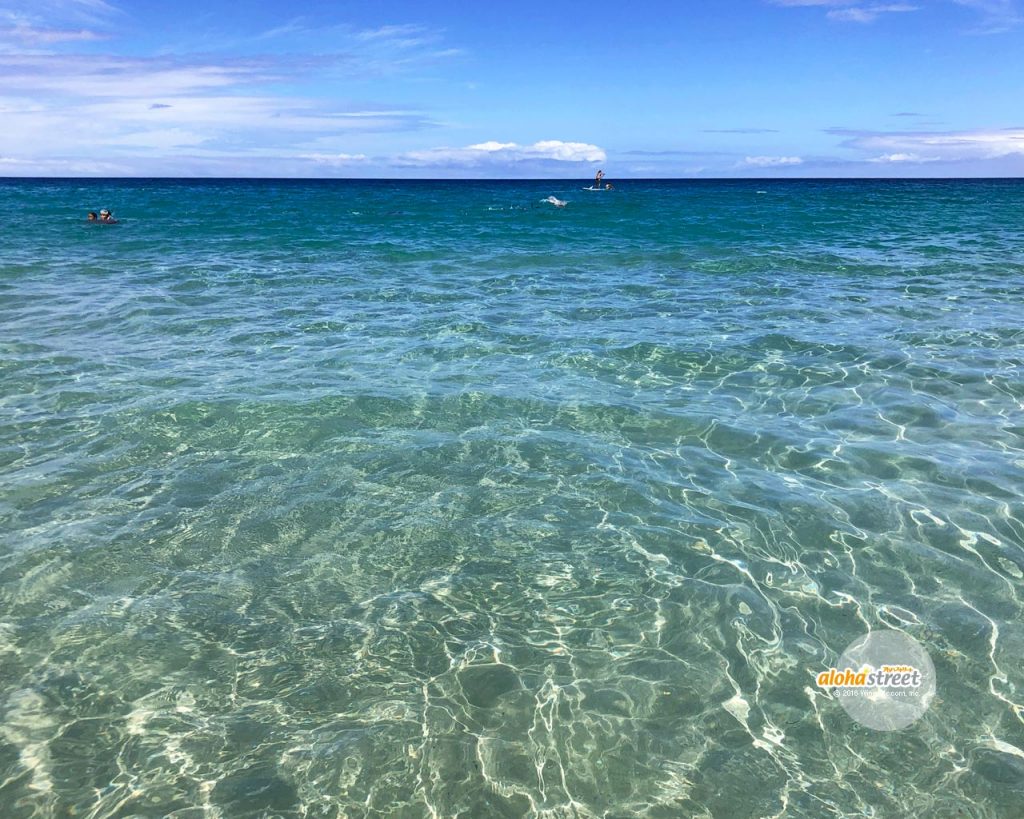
[107,217]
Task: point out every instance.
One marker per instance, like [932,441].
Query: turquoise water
[405,499]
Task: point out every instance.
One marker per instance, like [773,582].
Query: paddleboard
[592,188]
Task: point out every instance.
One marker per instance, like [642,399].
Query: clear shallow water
[400,499]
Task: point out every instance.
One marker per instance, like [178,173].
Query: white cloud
[485,157]
[61,100]
[336,160]
[568,151]
[949,146]
[771,161]
[61,8]
[90,105]
[850,11]
[105,76]
[17,166]
[386,50]
[492,147]
[996,15]
[407,36]
[32,35]
[867,14]
[108,127]
[34,23]
[895,158]
[159,139]
[990,7]
[486,153]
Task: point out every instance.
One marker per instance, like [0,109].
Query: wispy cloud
[34,36]
[86,76]
[770,161]
[59,98]
[50,22]
[383,50]
[850,11]
[868,14]
[546,157]
[33,28]
[106,106]
[505,153]
[678,153]
[935,146]
[405,36]
[336,160]
[996,15]
[64,9]
[19,166]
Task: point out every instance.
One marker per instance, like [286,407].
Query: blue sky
[536,89]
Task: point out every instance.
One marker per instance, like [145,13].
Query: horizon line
[516,179]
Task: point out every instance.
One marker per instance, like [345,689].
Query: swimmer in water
[92,217]
[107,217]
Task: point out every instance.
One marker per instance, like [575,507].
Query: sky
[553,89]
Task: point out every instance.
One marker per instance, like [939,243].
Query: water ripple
[428,509]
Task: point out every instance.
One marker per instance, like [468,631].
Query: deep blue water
[342,498]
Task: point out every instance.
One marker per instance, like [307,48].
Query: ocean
[405,499]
